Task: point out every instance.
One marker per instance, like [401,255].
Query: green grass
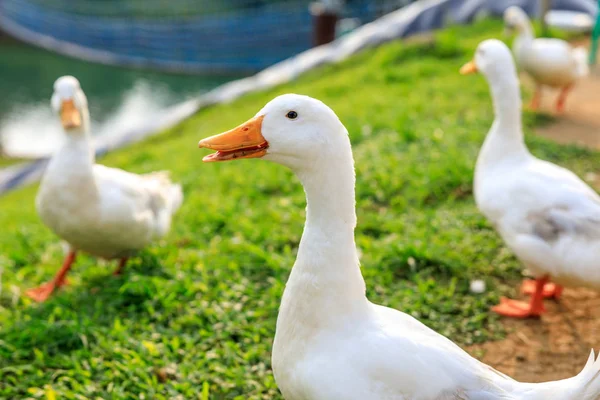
[194,316]
[7,162]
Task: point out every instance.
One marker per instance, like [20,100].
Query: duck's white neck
[523,40]
[330,197]
[526,30]
[76,157]
[505,139]
[325,283]
[79,143]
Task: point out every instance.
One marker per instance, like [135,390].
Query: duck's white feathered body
[551,62]
[104,211]
[388,355]
[331,342]
[547,216]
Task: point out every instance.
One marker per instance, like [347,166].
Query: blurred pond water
[118,98]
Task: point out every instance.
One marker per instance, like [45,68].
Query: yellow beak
[69,115]
[468,68]
[245,141]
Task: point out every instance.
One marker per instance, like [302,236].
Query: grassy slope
[195,314]
[6,162]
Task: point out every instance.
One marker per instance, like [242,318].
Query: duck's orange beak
[245,141]
[69,115]
[468,68]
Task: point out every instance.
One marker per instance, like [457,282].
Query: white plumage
[548,217]
[105,211]
[552,62]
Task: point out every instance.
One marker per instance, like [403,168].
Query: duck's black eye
[292,115]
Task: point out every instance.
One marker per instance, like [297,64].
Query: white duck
[550,62]
[103,211]
[547,215]
[331,342]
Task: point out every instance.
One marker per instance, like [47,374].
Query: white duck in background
[550,62]
[106,212]
[546,215]
[330,341]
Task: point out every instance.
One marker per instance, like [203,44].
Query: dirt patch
[553,347]
[580,122]
[557,345]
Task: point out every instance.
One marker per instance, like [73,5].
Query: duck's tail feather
[169,191]
[590,377]
[580,54]
[176,197]
[166,199]
[583,386]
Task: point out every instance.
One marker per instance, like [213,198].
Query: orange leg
[562,97]
[537,98]
[43,292]
[520,309]
[551,290]
[121,266]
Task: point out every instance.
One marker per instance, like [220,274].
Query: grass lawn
[194,315]
[7,162]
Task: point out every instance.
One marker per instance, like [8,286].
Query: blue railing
[245,38]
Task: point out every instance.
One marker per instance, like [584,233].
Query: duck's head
[70,103]
[293,130]
[492,58]
[515,19]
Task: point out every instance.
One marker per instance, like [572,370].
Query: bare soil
[553,347]
[580,122]
[557,345]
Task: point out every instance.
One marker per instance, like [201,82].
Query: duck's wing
[549,57]
[551,45]
[562,204]
[427,365]
[141,204]
[574,220]
[549,218]
[528,197]
[562,238]
[412,352]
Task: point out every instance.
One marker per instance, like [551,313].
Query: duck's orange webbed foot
[517,309]
[520,309]
[551,290]
[44,291]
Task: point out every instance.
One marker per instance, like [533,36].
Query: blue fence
[243,36]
